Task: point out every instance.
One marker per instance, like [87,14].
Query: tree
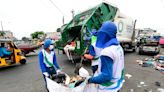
[2,33]
[37,34]
[25,38]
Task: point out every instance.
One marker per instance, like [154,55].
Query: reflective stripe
[117,86]
[111,83]
[107,84]
[93,39]
[47,61]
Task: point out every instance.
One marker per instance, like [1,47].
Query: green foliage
[37,34]
[25,38]
[2,33]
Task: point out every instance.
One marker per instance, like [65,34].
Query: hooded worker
[93,52]
[47,59]
[111,65]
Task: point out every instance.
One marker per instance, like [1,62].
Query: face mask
[51,47]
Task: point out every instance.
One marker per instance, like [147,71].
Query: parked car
[161,42]
[26,47]
[148,45]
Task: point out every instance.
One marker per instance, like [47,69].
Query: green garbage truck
[83,23]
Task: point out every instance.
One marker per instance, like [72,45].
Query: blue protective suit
[41,57]
[106,37]
[42,64]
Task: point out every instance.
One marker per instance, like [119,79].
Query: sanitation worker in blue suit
[94,52]
[111,66]
[47,59]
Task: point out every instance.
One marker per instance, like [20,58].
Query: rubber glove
[46,74]
[58,71]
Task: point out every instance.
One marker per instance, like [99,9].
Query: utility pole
[1,26]
[63,20]
[73,13]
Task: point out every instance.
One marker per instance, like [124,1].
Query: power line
[57,7]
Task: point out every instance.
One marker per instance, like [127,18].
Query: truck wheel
[23,61]
[157,52]
[63,51]
[134,49]
[137,50]
[140,52]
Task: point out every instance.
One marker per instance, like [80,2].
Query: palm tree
[2,33]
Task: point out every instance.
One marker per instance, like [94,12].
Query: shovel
[79,65]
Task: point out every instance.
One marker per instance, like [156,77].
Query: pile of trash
[157,62]
[73,81]
[64,83]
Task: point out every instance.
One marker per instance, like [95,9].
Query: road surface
[28,78]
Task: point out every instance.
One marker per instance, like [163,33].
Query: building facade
[6,34]
[53,35]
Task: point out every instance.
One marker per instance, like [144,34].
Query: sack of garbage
[78,83]
[53,86]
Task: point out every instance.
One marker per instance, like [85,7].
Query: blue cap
[47,43]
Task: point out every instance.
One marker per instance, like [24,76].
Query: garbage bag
[53,86]
[91,88]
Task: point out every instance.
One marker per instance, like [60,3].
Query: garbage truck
[125,31]
[83,23]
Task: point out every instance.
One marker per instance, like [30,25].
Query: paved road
[28,78]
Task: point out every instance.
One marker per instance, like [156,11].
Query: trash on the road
[162,71]
[160,90]
[128,75]
[142,83]
[145,90]
[151,90]
[156,62]
[140,62]
[139,86]
[131,90]
[157,83]
[145,85]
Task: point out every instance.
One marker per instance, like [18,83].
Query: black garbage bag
[79,82]
[59,78]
